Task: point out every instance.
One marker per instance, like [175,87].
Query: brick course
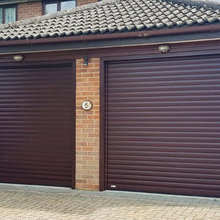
[87,125]
[84,2]
[29,10]
[34,9]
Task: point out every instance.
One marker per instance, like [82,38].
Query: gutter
[140,34]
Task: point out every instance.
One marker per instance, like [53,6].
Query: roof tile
[112,16]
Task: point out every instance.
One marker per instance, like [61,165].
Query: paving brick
[21,204]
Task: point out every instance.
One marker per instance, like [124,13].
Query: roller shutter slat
[163,125]
[36,124]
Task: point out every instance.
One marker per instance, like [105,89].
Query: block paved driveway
[41,203]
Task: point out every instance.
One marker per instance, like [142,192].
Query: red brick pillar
[87,125]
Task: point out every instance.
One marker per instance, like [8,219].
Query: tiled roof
[111,16]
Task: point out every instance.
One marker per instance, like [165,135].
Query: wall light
[164,48]
[18,58]
[86,61]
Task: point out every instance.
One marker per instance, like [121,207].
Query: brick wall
[84,2]
[29,10]
[34,9]
[87,125]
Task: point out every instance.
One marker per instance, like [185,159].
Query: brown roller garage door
[163,126]
[37,124]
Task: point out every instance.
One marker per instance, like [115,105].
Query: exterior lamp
[18,58]
[164,48]
[85,60]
